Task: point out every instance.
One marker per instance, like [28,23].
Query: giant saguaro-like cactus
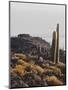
[55,46]
[57,49]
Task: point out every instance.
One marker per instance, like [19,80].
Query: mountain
[29,45]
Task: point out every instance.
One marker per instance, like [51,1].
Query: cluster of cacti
[55,46]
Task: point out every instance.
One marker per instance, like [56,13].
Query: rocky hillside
[36,46]
[24,43]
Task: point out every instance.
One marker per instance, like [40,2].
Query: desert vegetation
[23,73]
[36,63]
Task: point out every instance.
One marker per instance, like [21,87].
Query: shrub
[53,80]
[19,69]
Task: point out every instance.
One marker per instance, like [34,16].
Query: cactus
[57,49]
[53,48]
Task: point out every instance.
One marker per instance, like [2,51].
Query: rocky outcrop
[24,43]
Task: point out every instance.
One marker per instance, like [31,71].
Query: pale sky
[37,20]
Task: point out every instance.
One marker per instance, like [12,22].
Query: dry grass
[22,64]
[19,69]
[61,66]
[52,73]
[22,56]
[55,70]
[53,80]
[37,68]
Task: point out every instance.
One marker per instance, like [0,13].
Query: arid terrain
[31,66]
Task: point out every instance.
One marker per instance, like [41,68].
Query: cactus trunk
[55,46]
[57,50]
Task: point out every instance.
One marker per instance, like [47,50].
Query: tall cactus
[53,48]
[57,49]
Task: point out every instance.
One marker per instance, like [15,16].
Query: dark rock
[27,44]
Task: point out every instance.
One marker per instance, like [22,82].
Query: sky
[38,20]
